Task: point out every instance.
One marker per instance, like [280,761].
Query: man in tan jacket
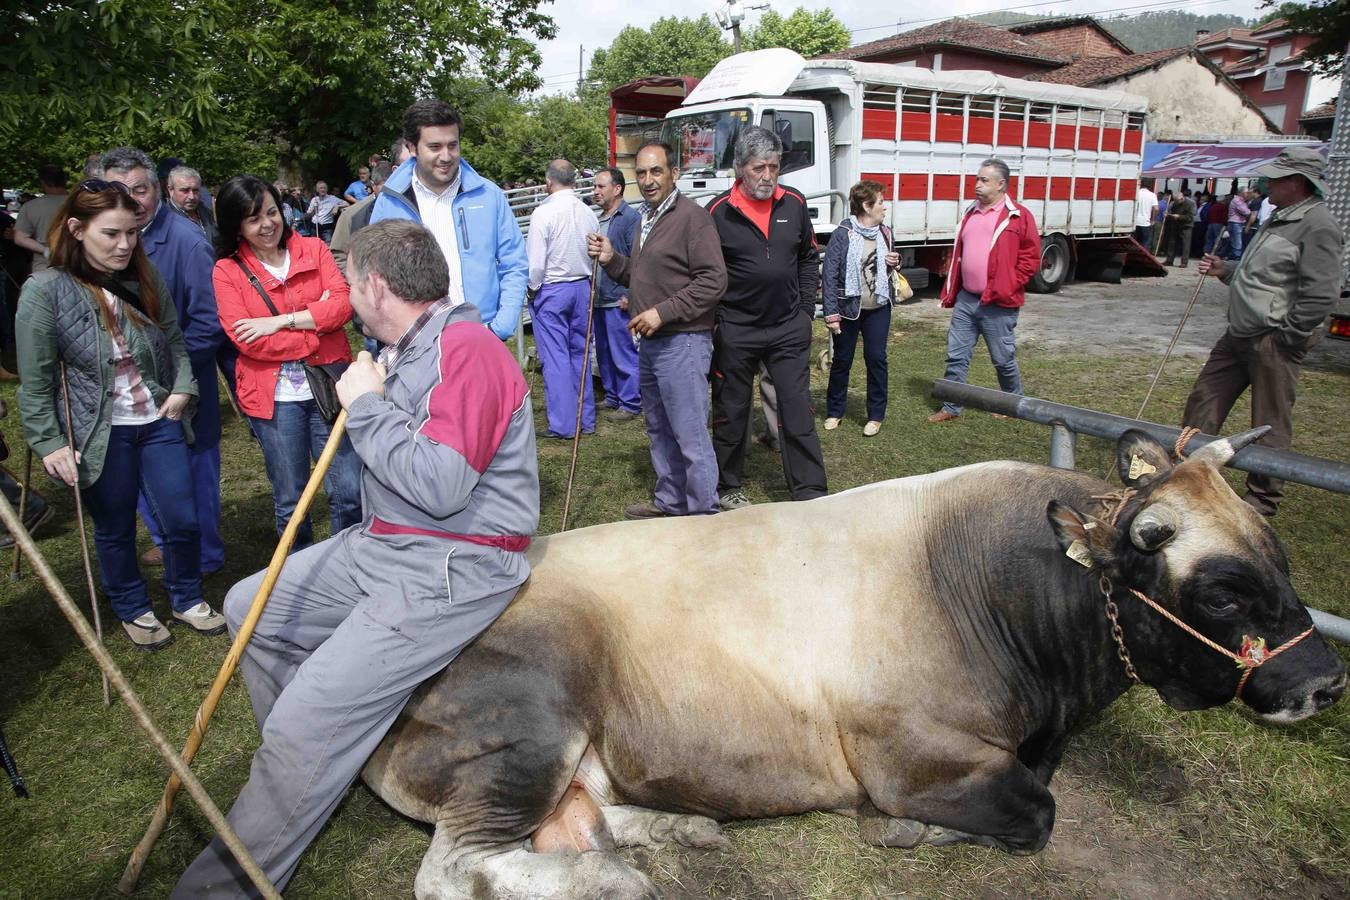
[1280,292]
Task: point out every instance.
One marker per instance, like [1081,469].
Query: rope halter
[1251,656]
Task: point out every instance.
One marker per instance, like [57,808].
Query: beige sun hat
[1303,161]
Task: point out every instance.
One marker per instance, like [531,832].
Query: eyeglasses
[97,185]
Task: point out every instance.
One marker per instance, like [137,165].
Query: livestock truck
[1075,153]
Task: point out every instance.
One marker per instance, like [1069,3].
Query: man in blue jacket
[468,215]
[615,352]
[180,252]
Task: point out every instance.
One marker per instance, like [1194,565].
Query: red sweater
[312,272]
[1013,259]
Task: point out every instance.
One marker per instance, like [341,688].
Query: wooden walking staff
[132,873]
[581,391]
[24,541]
[79,518]
[23,508]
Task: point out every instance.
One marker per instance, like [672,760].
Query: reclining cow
[915,653]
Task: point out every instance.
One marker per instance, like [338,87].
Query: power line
[1097,12]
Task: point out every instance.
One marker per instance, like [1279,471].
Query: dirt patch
[1137,315]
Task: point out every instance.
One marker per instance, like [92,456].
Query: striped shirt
[556,245]
[131,400]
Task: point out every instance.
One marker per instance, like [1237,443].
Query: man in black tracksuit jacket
[772,275]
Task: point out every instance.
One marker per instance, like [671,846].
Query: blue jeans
[972,319]
[617,358]
[1235,240]
[1212,232]
[293,437]
[152,460]
[875,327]
[673,375]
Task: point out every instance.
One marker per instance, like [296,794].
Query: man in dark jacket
[615,354]
[674,276]
[1180,222]
[997,251]
[773,272]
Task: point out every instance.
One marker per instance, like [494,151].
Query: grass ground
[1152,803]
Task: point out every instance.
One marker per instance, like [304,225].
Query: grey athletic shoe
[733,500]
[201,619]
[148,633]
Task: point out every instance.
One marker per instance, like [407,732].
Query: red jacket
[1013,259]
[312,272]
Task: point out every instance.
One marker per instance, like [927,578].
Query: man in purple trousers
[560,285]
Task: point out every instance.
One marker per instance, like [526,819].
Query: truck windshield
[704,142]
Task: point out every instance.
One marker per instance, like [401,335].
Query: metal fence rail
[1067,422]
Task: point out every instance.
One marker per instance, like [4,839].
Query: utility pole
[730,16]
[581,56]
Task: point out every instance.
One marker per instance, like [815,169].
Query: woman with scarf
[103,316]
[857,300]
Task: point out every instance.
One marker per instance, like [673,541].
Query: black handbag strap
[257,285]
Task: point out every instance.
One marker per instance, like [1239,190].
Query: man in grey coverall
[451,493]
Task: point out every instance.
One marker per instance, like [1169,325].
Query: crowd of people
[146,291]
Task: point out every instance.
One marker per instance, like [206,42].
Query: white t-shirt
[292,385]
[1266,209]
[1144,203]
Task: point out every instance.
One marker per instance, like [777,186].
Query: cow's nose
[1328,695]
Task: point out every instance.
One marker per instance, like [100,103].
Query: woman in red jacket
[257,254]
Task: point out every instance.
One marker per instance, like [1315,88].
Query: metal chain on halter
[1117,633]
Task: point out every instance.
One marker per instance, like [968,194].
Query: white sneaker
[831,424]
[202,619]
[147,632]
[871,428]
[733,500]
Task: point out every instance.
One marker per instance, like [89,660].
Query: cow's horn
[1220,452]
[1153,527]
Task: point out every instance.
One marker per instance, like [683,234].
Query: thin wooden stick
[581,390]
[132,873]
[79,518]
[138,711]
[23,507]
[229,394]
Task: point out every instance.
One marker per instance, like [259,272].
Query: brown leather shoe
[942,416]
[153,557]
[646,510]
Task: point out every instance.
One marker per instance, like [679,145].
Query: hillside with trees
[1145,31]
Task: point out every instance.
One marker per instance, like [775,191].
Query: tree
[808,33]
[671,47]
[1329,23]
[317,82]
[507,139]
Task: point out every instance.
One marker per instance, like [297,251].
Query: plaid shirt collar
[390,354]
[651,216]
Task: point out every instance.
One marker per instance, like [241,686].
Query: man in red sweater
[997,251]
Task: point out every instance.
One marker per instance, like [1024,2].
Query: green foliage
[1277,11]
[809,33]
[671,47]
[236,85]
[1144,32]
[506,139]
[1329,22]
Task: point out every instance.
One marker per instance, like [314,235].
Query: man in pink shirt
[997,252]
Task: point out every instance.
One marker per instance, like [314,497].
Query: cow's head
[1187,541]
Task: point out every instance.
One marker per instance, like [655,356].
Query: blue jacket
[179,250]
[622,232]
[492,258]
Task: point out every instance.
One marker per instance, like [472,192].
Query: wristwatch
[290,320]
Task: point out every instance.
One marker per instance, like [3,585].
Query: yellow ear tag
[1140,468]
[1079,553]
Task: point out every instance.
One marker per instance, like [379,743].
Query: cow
[914,653]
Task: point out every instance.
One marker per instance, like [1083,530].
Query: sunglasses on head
[97,185]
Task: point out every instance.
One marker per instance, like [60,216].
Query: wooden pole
[202,720]
[23,507]
[25,542]
[581,391]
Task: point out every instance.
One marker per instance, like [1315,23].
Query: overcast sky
[594,23]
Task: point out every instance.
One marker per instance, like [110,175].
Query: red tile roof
[1325,111]
[956,33]
[1239,35]
[1066,23]
[1094,70]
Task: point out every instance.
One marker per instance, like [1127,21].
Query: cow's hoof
[884,831]
[633,826]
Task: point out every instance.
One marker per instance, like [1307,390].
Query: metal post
[1338,164]
[1063,443]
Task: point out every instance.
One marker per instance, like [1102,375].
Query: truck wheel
[1054,271]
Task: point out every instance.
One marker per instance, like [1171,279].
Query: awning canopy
[653,96]
[1236,160]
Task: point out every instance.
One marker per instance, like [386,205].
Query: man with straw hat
[450,486]
[1279,294]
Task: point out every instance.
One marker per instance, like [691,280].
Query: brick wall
[1076,40]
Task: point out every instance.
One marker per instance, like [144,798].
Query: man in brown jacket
[675,278]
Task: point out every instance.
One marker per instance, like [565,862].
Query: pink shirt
[977,239]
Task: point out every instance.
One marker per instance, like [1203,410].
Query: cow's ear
[1141,459]
[1085,540]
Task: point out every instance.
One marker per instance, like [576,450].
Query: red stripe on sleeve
[480,387]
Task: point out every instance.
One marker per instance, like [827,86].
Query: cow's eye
[1220,604]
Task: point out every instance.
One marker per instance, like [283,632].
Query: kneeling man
[443,426]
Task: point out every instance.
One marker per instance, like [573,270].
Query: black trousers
[785,350]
